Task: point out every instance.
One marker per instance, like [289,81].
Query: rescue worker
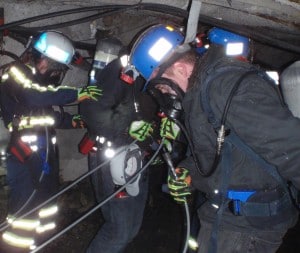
[244,142]
[108,122]
[29,89]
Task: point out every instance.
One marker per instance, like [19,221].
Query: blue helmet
[234,44]
[153,47]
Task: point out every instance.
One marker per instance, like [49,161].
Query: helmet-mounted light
[234,44]
[56,46]
[51,50]
[152,48]
[160,49]
[234,49]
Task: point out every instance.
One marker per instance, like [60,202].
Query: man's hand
[180,187]
[89,92]
[140,130]
[77,121]
[169,129]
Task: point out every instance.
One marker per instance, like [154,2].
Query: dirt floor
[162,230]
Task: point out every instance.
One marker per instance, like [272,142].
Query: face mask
[51,77]
[54,73]
[168,95]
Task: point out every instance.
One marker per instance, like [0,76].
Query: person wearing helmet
[29,89]
[234,44]
[245,143]
[108,120]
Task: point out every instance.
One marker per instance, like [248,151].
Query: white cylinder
[290,85]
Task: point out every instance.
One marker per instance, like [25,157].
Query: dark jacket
[32,99]
[258,117]
[113,113]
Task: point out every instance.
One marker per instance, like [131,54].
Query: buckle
[235,207]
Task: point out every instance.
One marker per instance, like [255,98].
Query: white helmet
[290,86]
[124,165]
[55,46]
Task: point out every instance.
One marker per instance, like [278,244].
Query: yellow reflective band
[29,138]
[18,76]
[193,243]
[4,77]
[30,122]
[53,140]
[49,211]
[44,121]
[17,241]
[21,79]
[44,228]
[25,224]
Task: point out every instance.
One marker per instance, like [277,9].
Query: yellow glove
[180,187]
[89,92]
[78,122]
[140,130]
[169,129]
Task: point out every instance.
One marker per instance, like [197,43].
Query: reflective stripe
[44,228]
[193,244]
[25,224]
[29,138]
[30,122]
[19,77]
[22,79]
[17,241]
[49,211]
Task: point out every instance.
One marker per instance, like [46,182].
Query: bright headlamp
[160,49]
[233,49]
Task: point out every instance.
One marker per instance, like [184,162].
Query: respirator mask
[168,95]
[55,71]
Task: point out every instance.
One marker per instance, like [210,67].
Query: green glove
[89,92]
[169,129]
[140,130]
[180,187]
[78,122]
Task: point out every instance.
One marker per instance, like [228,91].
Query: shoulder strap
[233,137]
[205,100]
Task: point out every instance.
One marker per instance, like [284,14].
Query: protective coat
[258,116]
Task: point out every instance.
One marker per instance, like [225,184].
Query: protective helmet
[55,46]
[153,47]
[123,167]
[290,86]
[234,44]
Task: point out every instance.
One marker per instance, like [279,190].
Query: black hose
[104,201]
[154,7]
[171,10]
[10,54]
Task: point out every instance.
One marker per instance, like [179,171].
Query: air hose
[111,196]
[4,224]
[65,189]
[169,162]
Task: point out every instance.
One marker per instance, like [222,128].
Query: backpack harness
[236,200]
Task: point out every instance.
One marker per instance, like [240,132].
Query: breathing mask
[55,71]
[168,95]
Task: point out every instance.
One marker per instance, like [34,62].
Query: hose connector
[220,139]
